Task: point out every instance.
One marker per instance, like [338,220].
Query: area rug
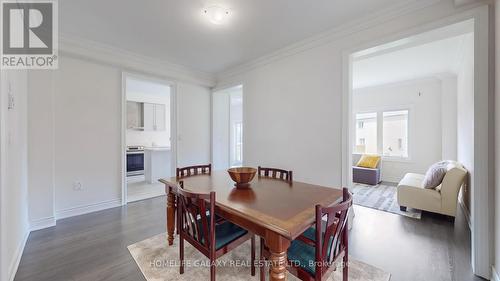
[381,197]
[160,262]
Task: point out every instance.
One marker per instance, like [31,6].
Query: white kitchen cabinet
[149,117]
[154,117]
[160,117]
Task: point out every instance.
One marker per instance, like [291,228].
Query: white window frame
[380,130]
[238,144]
[380,117]
[356,128]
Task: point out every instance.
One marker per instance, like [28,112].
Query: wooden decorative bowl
[242,176]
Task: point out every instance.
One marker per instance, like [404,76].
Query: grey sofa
[365,175]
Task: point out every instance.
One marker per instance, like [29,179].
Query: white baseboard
[81,210]
[42,223]
[14,264]
[494,274]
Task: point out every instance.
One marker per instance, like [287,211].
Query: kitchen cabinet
[154,117]
[135,111]
[146,116]
[157,163]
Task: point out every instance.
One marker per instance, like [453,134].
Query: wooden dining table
[273,209]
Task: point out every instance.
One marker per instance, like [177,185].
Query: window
[366,133]
[238,145]
[384,133]
[395,133]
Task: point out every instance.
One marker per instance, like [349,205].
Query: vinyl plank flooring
[93,247]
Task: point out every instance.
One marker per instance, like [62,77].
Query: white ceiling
[175,30]
[422,60]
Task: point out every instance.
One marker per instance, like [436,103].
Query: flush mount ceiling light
[216,14]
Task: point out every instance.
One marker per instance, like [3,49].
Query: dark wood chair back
[335,231]
[275,173]
[193,170]
[196,219]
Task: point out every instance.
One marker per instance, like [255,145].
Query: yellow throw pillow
[368,161]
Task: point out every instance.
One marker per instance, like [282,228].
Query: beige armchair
[443,199]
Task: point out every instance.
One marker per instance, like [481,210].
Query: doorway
[148,127]
[480,185]
[227,128]
[412,107]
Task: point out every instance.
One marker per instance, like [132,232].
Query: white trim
[216,90]
[481,206]
[14,264]
[42,223]
[466,212]
[123,135]
[481,211]
[494,274]
[99,52]
[90,208]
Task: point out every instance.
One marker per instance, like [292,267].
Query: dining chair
[193,170]
[275,173]
[197,225]
[315,254]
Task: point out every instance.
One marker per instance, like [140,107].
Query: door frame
[173,124]
[214,92]
[481,204]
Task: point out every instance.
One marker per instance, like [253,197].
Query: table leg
[170,215]
[278,247]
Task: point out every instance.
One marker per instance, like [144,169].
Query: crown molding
[330,36]
[130,61]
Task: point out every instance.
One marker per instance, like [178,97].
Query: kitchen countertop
[158,148]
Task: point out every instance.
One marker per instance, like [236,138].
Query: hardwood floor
[433,248]
[93,247]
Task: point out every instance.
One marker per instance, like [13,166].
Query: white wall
[293,99]
[292,114]
[425,135]
[83,137]
[465,117]
[497,137]
[41,149]
[87,106]
[193,111]
[449,116]
[14,172]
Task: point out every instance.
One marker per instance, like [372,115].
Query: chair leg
[252,266]
[262,262]
[181,254]
[212,269]
[345,269]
